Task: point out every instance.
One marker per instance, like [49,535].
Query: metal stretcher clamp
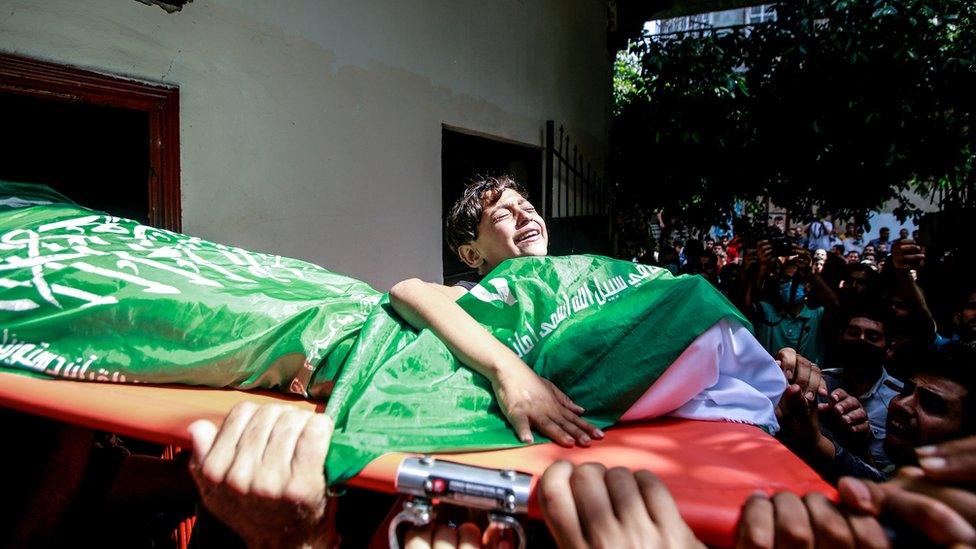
[500,492]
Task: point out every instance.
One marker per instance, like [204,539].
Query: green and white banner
[88,296]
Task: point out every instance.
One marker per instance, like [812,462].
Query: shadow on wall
[169,5]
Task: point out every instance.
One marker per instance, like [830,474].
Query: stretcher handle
[418,512]
[498,523]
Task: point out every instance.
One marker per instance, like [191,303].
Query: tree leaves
[842,105]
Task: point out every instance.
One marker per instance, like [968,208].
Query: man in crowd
[935,405]
[819,234]
[857,370]
[776,299]
[883,234]
[854,241]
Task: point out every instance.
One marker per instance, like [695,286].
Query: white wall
[312,128]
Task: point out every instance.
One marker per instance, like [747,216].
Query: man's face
[903,234]
[707,264]
[869,330]
[850,229]
[884,234]
[899,307]
[928,410]
[788,271]
[966,318]
[859,282]
[853,257]
[511,227]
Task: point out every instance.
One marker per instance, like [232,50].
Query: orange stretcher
[711,468]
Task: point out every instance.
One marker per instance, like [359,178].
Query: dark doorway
[465,157]
[96,155]
[107,142]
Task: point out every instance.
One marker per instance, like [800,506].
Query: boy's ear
[470,256]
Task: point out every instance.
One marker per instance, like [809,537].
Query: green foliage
[626,79]
[840,105]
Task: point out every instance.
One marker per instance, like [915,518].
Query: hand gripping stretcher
[711,468]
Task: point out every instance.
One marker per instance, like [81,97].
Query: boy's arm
[526,399]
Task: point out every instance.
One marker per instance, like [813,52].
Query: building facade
[313,128]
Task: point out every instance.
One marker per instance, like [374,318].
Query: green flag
[88,296]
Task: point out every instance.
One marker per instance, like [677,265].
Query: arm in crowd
[820,287]
[526,399]
[800,431]
[809,381]
[905,256]
[939,513]
[800,411]
[755,270]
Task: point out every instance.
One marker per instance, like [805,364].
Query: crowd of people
[893,373]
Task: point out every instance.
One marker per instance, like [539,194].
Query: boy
[492,222]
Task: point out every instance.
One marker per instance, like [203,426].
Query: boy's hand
[528,400]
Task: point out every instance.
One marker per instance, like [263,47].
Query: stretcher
[711,468]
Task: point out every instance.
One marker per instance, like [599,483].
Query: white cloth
[724,375]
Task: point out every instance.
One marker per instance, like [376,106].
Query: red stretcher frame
[711,468]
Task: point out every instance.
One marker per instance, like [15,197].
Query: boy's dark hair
[463,219]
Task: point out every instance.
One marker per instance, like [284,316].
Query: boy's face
[511,227]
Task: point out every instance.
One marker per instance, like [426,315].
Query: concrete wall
[312,128]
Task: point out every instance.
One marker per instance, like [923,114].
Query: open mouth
[529,236]
[899,429]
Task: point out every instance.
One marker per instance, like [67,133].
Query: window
[68,118]
[760,14]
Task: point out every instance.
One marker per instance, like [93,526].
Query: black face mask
[859,354]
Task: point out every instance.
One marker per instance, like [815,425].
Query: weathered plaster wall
[312,128]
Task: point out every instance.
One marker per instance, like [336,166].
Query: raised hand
[849,414]
[905,254]
[801,372]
